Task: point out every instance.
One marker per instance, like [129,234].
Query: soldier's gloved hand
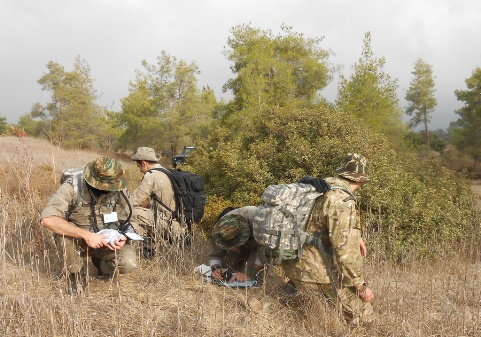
[113,236]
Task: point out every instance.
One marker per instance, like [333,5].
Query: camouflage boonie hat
[230,231]
[355,168]
[145,153]
[106,174]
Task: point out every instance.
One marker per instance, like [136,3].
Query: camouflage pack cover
[280,223]
[74,176]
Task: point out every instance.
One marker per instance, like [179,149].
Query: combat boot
[78,282]
[96,263]
[290,288]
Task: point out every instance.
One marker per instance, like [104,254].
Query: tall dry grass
[165,298]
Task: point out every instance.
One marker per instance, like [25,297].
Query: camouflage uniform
[156,221]
[156,183]
[334,215]
[89,216]
[224,239]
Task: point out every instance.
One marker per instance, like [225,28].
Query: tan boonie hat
[106,174]
[146,153]
[355,168]
[232,230]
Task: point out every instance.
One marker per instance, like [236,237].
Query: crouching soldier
[88,215]
[233,246]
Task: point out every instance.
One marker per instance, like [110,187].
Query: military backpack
[189,196]
[280,224]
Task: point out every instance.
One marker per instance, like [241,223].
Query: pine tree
[420,97]
[370,94]
[466,130]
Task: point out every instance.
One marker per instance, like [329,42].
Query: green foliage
[420,95]
[3,124]
[370,95]
[417,140]
[164,108]
[72,116]
[33,127]
[406,203]
[465,132]
[284,70]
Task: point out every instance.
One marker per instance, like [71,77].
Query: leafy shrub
[407,204]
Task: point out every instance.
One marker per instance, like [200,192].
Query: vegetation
[284,70]
[402,204]
[370,95]
[420,97]
[72,118]
[420,297]
[3,125]
[466,130]
[165,97]
[419,219]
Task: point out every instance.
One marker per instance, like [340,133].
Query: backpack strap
[174,188]
[350,197]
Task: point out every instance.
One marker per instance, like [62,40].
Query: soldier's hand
[217,272]
[115,245]
[367,295]
[240,277]
[95,241]
[363,248]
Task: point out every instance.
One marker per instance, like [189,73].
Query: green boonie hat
[232,230]
[106,174]
[145,153]
[355,168]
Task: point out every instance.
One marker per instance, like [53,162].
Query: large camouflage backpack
[280,224]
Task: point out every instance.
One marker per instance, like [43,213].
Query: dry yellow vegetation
[165,298]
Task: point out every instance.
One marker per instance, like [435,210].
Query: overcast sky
[114,36]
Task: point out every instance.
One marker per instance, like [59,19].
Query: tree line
[278,128]
[166,109]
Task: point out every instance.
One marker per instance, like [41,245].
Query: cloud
[114,36]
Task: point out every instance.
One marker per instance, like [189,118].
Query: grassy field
[165,298]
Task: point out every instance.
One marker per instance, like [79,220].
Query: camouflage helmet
[232,230]
[106,174]
[355,168]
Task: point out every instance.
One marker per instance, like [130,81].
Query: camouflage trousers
[144,224]
[309,274]
[75,253]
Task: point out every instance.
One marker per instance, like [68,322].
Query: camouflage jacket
[256,255]
[336,217]
[91,210]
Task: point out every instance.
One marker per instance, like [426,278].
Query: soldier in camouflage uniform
[104,205]
[154,219]
[335,216]
[233,246]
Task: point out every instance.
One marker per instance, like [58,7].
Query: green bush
[407,204]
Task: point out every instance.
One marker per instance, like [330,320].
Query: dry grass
[165,298]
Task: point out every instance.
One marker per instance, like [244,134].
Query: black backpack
[189,195]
